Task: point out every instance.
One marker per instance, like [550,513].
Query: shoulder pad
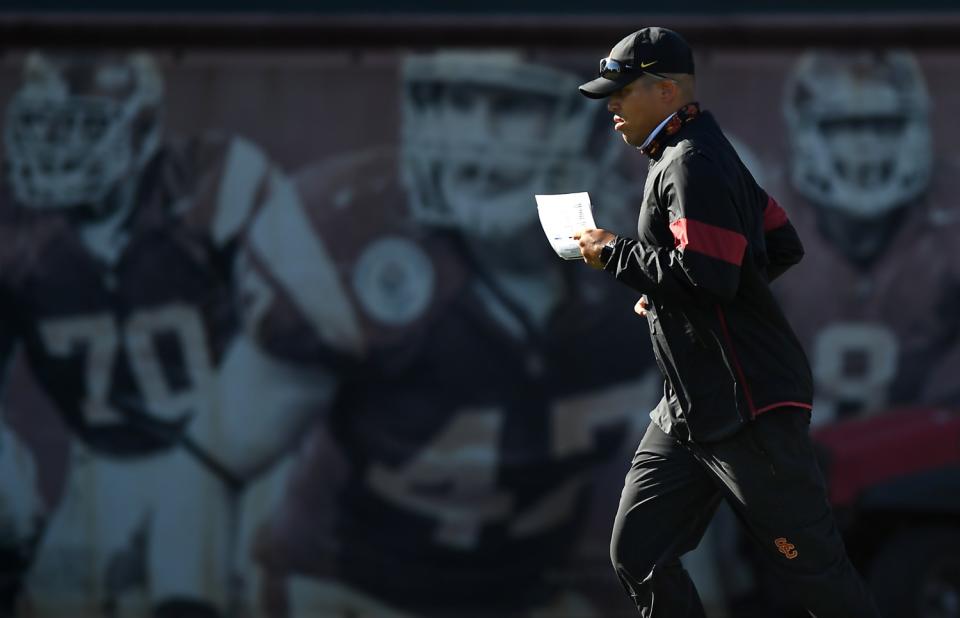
[358,270]
[223,181]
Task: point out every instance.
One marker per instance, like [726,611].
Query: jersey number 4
[464,458]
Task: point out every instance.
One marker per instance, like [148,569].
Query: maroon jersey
[127,347]
[881,332]
[468,436]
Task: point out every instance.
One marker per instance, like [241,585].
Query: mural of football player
[452,469]
[116,280]
[876,299]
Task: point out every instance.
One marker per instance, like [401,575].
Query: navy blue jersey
[866,358]
[127,347]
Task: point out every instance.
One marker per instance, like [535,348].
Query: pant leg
[771,477]
[667,501]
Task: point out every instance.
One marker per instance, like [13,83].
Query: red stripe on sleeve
[711,240]
[774,215]
[784,404]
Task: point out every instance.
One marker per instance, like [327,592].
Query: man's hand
[641,307]
[591,242]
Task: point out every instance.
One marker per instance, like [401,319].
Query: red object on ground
[868,451]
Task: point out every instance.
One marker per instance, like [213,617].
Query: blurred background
[281,336]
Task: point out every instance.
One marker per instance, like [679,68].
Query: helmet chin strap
[861,240]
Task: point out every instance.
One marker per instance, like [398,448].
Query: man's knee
[616,551]
[629,559]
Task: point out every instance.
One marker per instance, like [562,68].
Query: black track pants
[769,474]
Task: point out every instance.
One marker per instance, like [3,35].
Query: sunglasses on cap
[613,69]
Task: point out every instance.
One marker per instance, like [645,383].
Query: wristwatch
[606,252]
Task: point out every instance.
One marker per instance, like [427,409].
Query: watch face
[606,253]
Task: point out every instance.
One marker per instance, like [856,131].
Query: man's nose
[612,105]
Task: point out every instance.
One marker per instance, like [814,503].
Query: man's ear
[669,90]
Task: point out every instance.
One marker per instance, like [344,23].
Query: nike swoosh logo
[644,65]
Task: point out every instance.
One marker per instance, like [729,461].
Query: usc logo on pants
[786,548]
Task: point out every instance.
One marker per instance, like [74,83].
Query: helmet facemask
[482,133]
[78,129]
[860,131]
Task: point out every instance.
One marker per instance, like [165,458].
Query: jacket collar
[683,116]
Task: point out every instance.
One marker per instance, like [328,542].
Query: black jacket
[710,241]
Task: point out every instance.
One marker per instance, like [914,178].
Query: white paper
[562,215]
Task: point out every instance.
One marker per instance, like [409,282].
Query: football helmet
[482,132]
[858,124]
[79,126]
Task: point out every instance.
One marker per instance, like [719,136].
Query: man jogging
[733,422]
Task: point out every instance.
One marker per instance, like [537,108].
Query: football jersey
[127,348]
[877,335]
[468,445]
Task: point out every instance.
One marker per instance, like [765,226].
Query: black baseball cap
[658,49]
